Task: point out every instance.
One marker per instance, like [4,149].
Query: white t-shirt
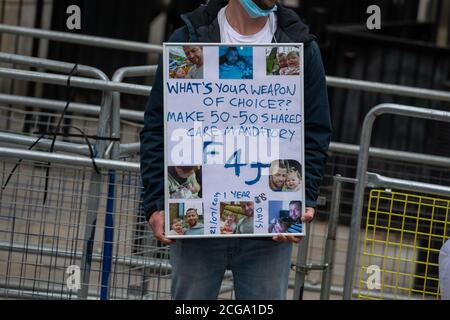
[229,35]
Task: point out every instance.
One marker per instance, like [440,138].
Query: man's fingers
[279,238]
[293,239]
[286,238]
[308,216]
[163,239]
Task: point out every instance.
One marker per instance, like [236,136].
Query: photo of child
[229,225]
[285,176]
[186,218]
[285,217]
[283,61]
[293,178]
[177,227]
[184,182]
[236,217]
[180,73]
[235,62]
[293,64]
[186,62]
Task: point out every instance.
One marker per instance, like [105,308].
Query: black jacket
[202,26]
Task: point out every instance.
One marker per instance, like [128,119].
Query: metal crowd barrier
[96,180]
[101,145]
[362,181]
[375,181]
[38,242]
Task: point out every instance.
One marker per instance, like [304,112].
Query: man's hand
[156,222]
[308,216]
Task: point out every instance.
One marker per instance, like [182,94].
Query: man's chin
[265,5]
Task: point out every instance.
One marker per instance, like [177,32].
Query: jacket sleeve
[152,140]
[317,122]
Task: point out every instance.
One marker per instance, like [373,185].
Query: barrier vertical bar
[300,270]
[108,239]
[330,245]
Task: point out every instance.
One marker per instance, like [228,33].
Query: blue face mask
[254,11]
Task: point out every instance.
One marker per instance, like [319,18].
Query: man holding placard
[199,264]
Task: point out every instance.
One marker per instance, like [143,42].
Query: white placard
[234,140]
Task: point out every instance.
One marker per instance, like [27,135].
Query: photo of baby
[186,218]
[283,61]
[285,176]
[184,182]
[285,217]
[235,62]
[186,62]
[177,227]
[293,178]
[229,225]
[236,217]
